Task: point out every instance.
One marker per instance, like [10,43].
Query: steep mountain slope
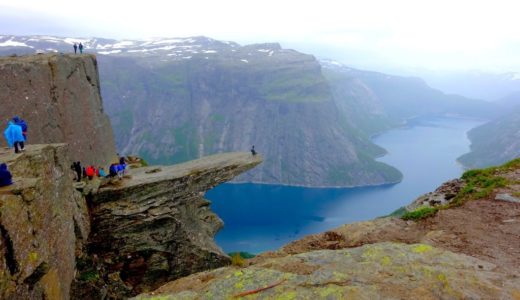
[172,100]
[406,97]
[497,141]
[273,98]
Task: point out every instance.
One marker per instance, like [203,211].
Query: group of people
[16,134]
[76,47]
[90,171]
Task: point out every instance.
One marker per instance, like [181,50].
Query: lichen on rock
[43,221]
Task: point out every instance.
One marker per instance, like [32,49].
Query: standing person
[78,170]
[253,152]
[13,135]
[101,172]
[21,123]
[80,48]
[90,172]
[5,175]
[75,48]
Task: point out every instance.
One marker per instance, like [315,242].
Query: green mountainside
[175,99]
[495,142]
[276,99]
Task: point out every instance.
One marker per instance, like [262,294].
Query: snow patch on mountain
[11,43]
[109,52]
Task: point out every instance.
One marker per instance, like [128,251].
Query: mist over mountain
[497,141]
[474,84]
[175,99]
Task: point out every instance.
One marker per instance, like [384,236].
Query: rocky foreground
[463,242]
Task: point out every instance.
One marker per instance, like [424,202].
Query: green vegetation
[245,255]
[398,212]
[479,184]
[420,213]
[295,85]
[237,260]
[89,275]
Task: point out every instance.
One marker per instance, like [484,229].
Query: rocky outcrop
[379,271]
[59,97]
[43,222]
[157,226]
[442,195]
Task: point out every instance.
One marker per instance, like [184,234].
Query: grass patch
[237,260]
[420,213]
[480,183]
[398,212]
[89,275]
[245,255]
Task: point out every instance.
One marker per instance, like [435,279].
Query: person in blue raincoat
[21,123]
[13,135]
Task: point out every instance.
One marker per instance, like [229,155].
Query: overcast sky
[434,34]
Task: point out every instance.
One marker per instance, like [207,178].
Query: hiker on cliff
[112,172]
[13,135]
[120,169]
[75,48]
[76,166]
[21,123]
[80,48]
[5,175]
[101,172]
[253,152]
[91,171]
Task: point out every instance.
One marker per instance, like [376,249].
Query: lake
[262,217]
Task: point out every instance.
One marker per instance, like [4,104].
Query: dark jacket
[5,176]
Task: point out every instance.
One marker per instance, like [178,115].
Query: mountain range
[176,99]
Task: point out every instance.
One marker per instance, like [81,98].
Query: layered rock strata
[157,226]
[59,97]
[43,222]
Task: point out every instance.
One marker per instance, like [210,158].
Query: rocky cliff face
[156,226]
[59,97]
[43,222]
[228,98]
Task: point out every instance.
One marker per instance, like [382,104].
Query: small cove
[262,217]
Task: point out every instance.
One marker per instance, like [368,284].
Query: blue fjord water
[262,217]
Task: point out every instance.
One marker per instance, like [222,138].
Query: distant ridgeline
[172,100]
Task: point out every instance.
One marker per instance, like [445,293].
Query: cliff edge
[59,97]
[156,226]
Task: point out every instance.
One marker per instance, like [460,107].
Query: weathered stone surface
[376,271]
[507,197]
[59,97]
[43,221]
[157,226]
[442,195]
